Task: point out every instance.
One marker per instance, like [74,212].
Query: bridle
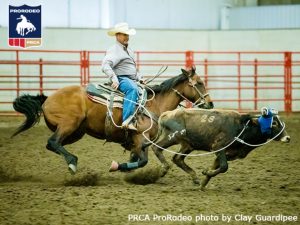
[200,101]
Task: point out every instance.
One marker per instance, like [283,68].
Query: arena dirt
[36,187]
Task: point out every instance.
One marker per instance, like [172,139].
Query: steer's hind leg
[179,161]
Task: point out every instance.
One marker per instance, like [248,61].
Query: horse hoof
[72,169]
[114,166]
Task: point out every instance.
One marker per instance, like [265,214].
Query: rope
[268,141]
[138,104]
[160,72]
[200,154]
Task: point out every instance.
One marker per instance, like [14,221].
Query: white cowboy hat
[121,28]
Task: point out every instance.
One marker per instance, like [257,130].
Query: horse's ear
[184,72]
[193,69]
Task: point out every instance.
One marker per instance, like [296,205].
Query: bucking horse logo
[25,26]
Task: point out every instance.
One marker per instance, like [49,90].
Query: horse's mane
[168,84]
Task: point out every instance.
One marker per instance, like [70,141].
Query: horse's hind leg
[179,161]
[65,134]
[54,144]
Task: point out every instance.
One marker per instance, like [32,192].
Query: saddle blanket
[100,93]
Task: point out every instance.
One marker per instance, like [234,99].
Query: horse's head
[194,90]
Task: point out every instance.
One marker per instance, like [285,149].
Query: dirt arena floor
[36,187]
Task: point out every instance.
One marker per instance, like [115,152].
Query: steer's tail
[31,107]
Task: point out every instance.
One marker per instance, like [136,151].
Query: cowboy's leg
[130,89]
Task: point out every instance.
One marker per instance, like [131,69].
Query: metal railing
[239,80]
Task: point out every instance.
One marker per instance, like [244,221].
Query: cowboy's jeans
[130,89]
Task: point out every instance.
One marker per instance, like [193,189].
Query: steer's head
[277,127]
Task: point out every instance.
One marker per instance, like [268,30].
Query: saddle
[106,95]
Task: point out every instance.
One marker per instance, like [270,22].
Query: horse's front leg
[139,157]
[141,161]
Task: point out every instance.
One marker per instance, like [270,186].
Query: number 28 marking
[206,118]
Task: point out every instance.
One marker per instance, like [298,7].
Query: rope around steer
[200,154]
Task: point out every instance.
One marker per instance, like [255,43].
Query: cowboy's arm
[108,63]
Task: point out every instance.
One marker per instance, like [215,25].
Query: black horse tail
[31,107]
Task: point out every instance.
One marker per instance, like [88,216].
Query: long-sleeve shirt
[118,61]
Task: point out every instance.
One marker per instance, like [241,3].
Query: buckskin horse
[70,114]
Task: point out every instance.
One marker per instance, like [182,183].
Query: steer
[230,134]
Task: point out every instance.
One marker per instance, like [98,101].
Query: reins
[160,72]
[200,99]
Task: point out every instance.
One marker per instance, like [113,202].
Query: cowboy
[119,65]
